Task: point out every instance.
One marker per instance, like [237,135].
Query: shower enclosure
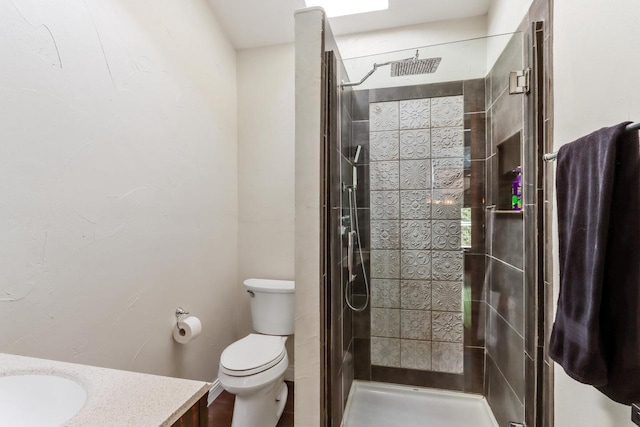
[429,191]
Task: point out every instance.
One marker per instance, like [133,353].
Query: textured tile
[415,294]
[446,296]
[385,264]
[447,142]
[446,265]
[385,352]
[384,146]
[415,144]
[415,114]
[385,205]
[384,175]
[447,357]
[415,174]
[415,324]
[416,265]
[416,204]
[447,326]
[415,354]
[385,322]
[385,293]
[445,234]
[448,173]
[385,234]
[447,111]
[383,116]
[415,234]
[446,204]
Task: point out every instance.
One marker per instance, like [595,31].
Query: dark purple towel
[584,187]
[620,317]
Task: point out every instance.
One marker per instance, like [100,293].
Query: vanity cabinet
[196,416]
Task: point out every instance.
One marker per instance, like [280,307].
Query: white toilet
[253,368]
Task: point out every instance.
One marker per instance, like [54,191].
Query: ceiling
[252,23]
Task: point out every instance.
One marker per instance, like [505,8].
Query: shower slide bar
[550,157]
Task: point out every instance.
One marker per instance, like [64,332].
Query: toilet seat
[252,354]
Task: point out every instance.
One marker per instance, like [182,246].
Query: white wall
[118,188]
[266,170]
[460,61]
[504,17]
[308,274]
[596,84]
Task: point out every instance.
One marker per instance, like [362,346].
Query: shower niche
[509,175]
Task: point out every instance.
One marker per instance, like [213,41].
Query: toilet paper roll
[187,329]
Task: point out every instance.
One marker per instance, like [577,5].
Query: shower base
[374,404]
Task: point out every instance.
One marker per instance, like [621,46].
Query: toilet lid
[252,354]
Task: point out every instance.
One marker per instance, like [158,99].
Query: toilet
[253,367]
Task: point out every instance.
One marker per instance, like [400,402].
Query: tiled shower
[451,305]
[425,324]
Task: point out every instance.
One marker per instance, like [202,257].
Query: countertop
[116,398]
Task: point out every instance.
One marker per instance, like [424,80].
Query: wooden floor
[221,410]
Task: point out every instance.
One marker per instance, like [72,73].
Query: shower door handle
[350,253]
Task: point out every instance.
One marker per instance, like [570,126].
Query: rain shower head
[404,67]
[414,66]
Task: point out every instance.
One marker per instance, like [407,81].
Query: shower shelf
[504,211]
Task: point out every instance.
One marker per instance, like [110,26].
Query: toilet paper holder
[180,313]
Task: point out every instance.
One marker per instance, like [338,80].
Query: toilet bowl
[253,367]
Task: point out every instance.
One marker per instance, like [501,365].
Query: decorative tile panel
[447,173]
[385,352]
[415,144]
[385,264]
[383,116]
[415,204]
[385,205]
[446,265]
[415,324]
[447,142]
[416,234]
[447,111]
[385,322]
[446,326]
[415,114]
[385,234]
[415,294]
[445,234]
[416,265]
[415,174]
[446,204]
[384,145]
[385,175]
[415,354]
[447,357]
[385,293]
[446,296]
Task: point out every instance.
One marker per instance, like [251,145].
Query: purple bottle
[516,190]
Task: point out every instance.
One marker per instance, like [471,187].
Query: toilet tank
[272,305]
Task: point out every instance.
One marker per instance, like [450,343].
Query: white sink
[39,400]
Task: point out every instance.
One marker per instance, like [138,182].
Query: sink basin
[39,400]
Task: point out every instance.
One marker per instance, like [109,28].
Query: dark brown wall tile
[413,92]
[506,349]
[473,91]
[507,293]
[507,244]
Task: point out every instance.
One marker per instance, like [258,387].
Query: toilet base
[262,408]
